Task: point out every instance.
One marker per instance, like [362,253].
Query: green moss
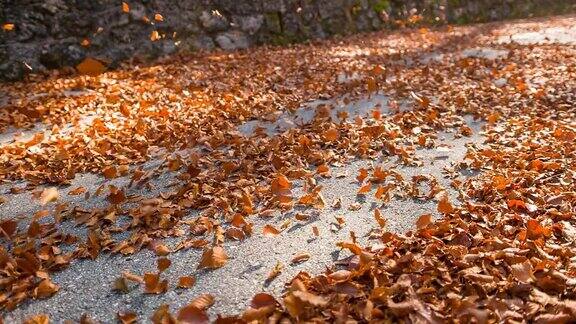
[381,5]
[286,38]
[273,22]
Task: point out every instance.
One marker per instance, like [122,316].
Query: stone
[12,71]
[233,40]
[250,24]
[137,11]
[214,21]
[203,42]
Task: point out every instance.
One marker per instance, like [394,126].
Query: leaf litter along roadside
[505,253]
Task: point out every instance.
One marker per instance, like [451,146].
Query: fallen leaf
[77,191]
[212,258]
[154,36]
[8,27]
[423,221]
[270,230]
[186,282]
[127,317]
[300,257]
[163,264]
[331,135]
[37,319]
[192,315]
[275,272]
[444,206]
[91,67]
[46,289]
[153,284]
[378,216]
[49,195]
[202,301]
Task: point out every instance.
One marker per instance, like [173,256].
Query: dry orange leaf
[378,216]
[192,315]
[116,196]
[45,289]
[91,67]
[8,27]
[365,189]
[125,7]
[353,247]
[300,257]
[444,205]
[186,282]
[158,17]
[110,172]
[127,317]
[49,195]
[516,203]
[331,134]
[202,301]
[132,277]
[77,191]
[316,231]
[163,264]
[275,272]
[423,221]
[37,319]
[213,258]
[154,36]
[363,173]
[153,284]
[270,230]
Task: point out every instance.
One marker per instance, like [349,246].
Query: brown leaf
[362,175]
[365,189]
[444,206]
[91,67]
[300,257]
[49,195]
[310,298]
[275,272]
[127,317]
[423,221]
[534,230]
[132,277]
[212,258]
[163,264]
[192,315]
[262,300]
[116,196]
[202,301]
[316,231]
[523,272]
[378,216]
[270,230]
[38,319]
[77,191]
[110,172]
[331,135]
[153,284]
[46,289]
[186,282]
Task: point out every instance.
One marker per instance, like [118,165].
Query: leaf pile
[506,253]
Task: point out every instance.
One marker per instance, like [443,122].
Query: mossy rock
[381,5]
